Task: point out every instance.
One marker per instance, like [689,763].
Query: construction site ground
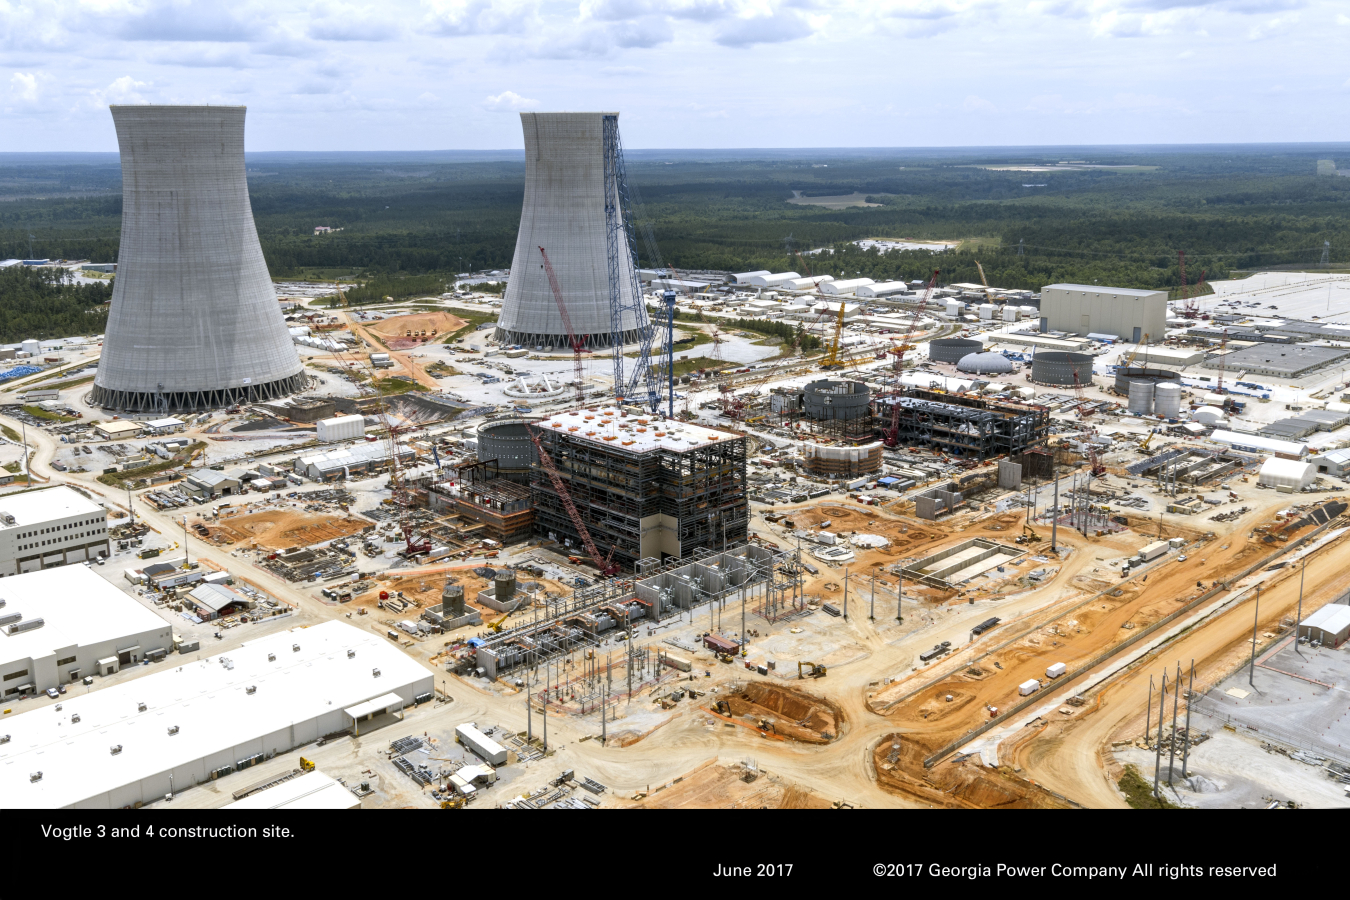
[281,529]
[394,330]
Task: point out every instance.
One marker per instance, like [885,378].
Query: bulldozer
[805,669]
[455,802]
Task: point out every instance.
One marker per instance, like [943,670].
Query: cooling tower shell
[952,350]
[564,212]
[1058,367]
[194,322]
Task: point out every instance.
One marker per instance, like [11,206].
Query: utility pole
[1256,617]
[1298,617]
[27,474]
[1148,712]
[1190,696]
[872,606]
[529,706]
[544,712]
[1172,748]
[845,594]
[187,556]
[130,511]
[1157,746]
[1054,519]
[900,595]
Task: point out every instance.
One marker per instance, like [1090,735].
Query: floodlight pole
[1256,618]
[1190,696]
[1172,745]
[1298,617]
[1157,745]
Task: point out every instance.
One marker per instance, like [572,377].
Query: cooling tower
[564,213]
[194,321]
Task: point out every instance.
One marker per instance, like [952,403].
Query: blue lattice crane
[641,384]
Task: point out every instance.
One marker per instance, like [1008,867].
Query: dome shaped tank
[988,363]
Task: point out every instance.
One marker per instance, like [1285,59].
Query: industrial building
[964,426]
[502,506]
[312,790]
[138,741]
[194,321]
[345,462]
[50,527]
[340,428]
[648,488]
[507,442]
[1286,475]
[1335,463]
[208,484]
[565,213]
[1278,360]
[1329,626]
[1124,313]
[63,624]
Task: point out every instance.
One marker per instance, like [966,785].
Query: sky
[453,74]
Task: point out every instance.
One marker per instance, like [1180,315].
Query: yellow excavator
[805,669]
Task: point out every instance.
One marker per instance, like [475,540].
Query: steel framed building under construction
[968,427]
[644,487]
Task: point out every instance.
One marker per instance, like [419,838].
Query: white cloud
[124,91]
[509,101]
[974,103]
[770,29]
[470,17]
[23,86]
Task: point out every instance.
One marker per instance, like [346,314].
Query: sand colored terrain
[404,332]
[283,529]
[795,714]
[713,786]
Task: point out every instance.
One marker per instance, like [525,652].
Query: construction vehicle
[606,565]
[809,669]
[577,348]
[496,625]
[1098,470]
[1029,536]
[454,801]
[832,355]
[1129,361]
[1148,440]
[766,725]
[725,657]
[306,765]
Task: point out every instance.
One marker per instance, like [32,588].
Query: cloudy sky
[451,74]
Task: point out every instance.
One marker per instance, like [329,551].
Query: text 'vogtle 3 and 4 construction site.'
[604,547]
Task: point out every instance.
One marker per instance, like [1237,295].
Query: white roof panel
[36,507]
[312,790]
[637,434]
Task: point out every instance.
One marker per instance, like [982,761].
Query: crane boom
[605,564]
[577,349]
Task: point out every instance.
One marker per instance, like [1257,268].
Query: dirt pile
[724,787]
[283,529]
[955,785]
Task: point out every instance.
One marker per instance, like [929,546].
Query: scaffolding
[968,427]
[627,499]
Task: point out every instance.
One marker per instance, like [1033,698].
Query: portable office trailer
[1056,670]
[1028,687]
[484,746]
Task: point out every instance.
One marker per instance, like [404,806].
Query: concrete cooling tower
[194,322]
[564,213]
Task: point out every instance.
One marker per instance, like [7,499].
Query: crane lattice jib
[547,462]
[621,241]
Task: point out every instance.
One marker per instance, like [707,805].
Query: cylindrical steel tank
[194,321]
[1141,397]
[952,350]
[452,600]
[828,400]
[508,442]
[1154,376]
[1167,400]
[564,212]
[504,585]
[1059,366]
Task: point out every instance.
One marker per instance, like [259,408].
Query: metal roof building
[69,623]
[358,459]
[1330,625]
[564,212]
[50,527]
[312,790]
[194,321]
[1251,443]
[1125,313]
[134,742]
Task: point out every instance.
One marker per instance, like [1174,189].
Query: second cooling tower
[564,213]
[194,322]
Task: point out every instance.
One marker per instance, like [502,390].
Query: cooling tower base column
[192,401]
[561,341]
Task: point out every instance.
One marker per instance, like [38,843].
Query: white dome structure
[1208,415]
[986,363]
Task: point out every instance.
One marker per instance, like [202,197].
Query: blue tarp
[18,372]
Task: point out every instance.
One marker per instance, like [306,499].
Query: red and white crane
[577,348]
[606,565]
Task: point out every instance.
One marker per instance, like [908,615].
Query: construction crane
[892,435]
[832,355]
[342,298]
[1223,360]
[1097,469]
[1135,352]
[400,496]
[496,625]
[577,348]
[606,565]
[988,292]
[1080,408]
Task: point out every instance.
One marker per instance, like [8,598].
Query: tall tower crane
[605,565]
[400,495]
[577,348]
[892,434]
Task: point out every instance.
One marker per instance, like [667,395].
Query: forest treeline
[45,303]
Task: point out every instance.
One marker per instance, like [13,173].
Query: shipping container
[340,428]
[825,537]
[677,662]
[485,747]
[1056,670]
[1030,686]
[1153,551]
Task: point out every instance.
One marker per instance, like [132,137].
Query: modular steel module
[195,322]
[564,212]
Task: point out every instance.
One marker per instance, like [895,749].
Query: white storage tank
[1028,687]
[1056,670]
[987,311]
[340,428]
[1141,397]
[1167,400]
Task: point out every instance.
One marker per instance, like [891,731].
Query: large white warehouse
[68,623]
[1127,313]
[50,527]
[132,743]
